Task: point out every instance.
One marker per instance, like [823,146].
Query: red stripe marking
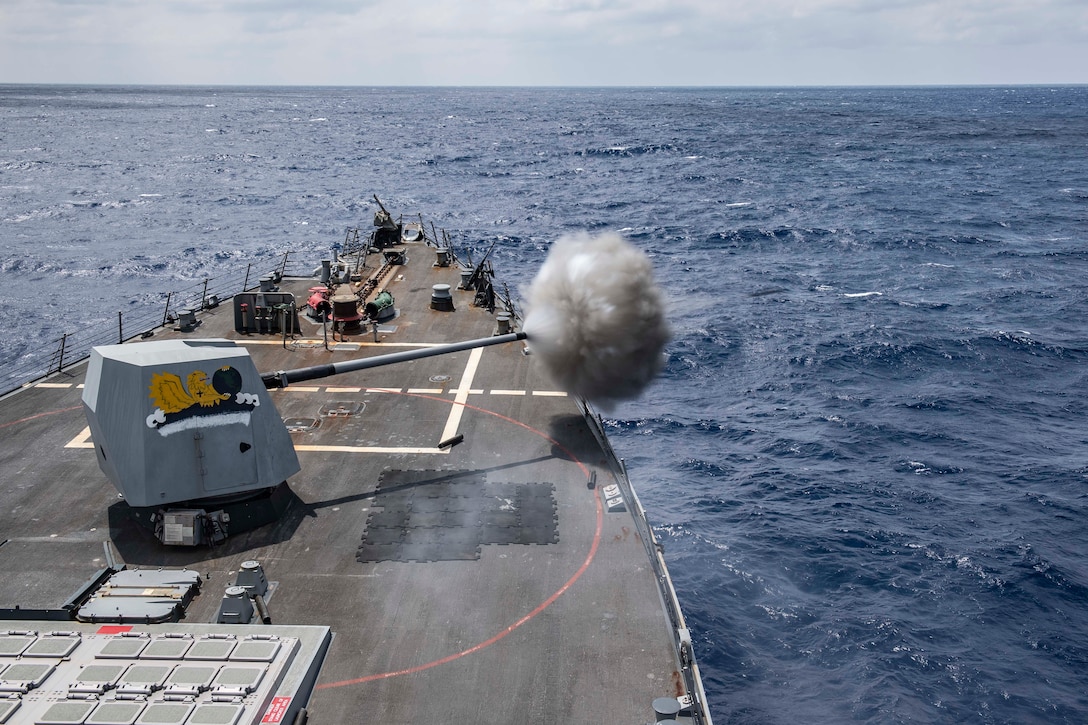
[540,608]
[39,415]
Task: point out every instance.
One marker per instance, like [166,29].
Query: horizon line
[543,86]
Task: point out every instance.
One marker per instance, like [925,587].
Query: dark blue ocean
[867,456]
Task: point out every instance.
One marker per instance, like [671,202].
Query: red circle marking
[487,642]
[540,607]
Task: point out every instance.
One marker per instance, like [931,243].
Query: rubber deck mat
[448,515]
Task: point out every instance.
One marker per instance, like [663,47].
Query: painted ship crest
[199,402]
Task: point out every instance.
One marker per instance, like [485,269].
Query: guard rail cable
[73,348]
[680,632]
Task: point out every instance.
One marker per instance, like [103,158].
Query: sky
[544,42]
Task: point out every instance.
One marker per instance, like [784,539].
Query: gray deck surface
[480,583]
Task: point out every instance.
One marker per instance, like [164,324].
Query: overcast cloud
[544,42]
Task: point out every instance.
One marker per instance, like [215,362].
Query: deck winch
[381,307]
[346,313]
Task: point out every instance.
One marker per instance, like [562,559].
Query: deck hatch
[165,713]
[95,679]
[66,713]
[211,649]
[143,595]
[198,677]
[115,713]
[7,708]
[124,647]
[238,677]
[216,714]
[166,649]
[448,515]
[21,677]
[52,646]
[341,408]
[12,645]
[143,679]
[255,651]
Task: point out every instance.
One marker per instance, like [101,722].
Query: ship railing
[700,712]
[58,357]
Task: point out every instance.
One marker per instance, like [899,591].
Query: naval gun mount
[188,434]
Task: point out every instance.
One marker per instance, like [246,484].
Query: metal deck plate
[448,515]
[172,674]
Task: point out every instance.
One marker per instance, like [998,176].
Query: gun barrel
[283,378]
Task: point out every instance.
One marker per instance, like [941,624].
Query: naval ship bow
[342,498]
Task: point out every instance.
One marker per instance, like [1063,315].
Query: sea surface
[867,456]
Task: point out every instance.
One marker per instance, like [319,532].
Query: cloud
[557,42]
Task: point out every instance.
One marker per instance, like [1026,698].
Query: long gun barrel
[283,378]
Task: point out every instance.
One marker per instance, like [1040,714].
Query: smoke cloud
[596,318]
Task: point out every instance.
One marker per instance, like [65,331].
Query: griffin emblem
[171,396]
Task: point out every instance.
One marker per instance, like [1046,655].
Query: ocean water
[867,456]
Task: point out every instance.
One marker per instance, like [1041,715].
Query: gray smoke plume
[596,318]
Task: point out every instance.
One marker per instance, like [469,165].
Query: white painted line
[508,392]
[301,389]
[472,391]
[426,391]
[463,391]
[550,393]
[53,385]
[368,449]
[83,440]
[384,390]
[342,390]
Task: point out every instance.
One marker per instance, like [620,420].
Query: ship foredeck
[489,579]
